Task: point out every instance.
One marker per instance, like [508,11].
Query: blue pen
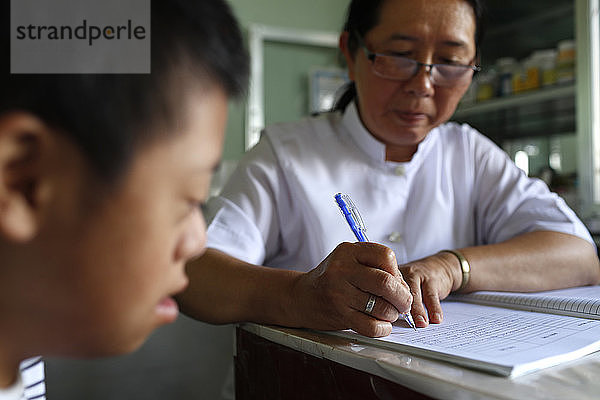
[356,223]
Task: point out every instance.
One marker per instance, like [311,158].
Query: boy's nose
[194,239]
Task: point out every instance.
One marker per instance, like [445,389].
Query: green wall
[286,86]
[286,89]
[325,15]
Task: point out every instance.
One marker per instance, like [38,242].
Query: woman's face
[401,113]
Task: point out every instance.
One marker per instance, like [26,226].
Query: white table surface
[575,380]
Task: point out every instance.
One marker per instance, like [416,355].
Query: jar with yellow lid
[565,61]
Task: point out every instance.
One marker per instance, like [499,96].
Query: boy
[101,177]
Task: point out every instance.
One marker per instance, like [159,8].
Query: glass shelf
[518,100]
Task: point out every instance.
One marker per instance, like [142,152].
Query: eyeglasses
[403,68]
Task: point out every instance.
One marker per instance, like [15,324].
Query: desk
[282,363]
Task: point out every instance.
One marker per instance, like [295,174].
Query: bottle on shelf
[547,64]
[528,75]
[565,61]
[507,76]
[506,69]
[486,85]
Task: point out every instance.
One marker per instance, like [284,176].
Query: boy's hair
[109,115]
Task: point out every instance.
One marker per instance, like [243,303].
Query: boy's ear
[21,142]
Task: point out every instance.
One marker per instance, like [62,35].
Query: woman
[423,186]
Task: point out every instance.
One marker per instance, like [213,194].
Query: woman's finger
[374,306]
[375,255]
[384,285]
[369,326]
[431,300]
[417,309]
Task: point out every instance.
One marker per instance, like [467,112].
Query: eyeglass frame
[371,56]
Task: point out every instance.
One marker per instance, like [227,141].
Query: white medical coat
[459,190]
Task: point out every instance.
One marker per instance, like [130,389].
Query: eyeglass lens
[403,68]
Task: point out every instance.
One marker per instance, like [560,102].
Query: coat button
[399,171]
[395,237]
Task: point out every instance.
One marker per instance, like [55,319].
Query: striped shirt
[30,383]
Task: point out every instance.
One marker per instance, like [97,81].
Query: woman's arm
[535,261]
[332,296]
[223,289]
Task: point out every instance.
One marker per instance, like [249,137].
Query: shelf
[541,95]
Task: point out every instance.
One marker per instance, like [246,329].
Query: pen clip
[353,217]
[355,214]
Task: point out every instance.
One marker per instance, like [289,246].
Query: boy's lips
[167,309]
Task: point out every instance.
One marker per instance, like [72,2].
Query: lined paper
[498,340]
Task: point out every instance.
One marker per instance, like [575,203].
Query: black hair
[109,116]
[363,15]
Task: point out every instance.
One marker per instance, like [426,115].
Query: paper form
[504,341]
[498,333]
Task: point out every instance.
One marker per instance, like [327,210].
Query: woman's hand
[335,294]
[431,280]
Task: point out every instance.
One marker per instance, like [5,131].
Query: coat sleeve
[243,219]
[509,203]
